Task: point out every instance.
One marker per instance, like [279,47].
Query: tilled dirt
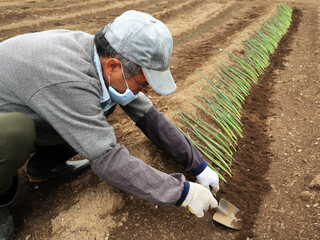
[276,160]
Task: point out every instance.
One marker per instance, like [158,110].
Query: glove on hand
[199,199]
[207,178]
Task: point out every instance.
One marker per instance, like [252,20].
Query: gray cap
[147,42]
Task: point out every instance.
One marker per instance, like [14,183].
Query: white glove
[207,178]
[199,199]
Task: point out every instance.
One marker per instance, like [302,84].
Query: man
[58,86]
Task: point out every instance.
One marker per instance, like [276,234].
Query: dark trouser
[17,140]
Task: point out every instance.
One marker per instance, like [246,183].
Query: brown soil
[276,160]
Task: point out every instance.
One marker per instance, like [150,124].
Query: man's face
[112,68]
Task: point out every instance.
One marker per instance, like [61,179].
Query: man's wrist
[184,193]
[200,168]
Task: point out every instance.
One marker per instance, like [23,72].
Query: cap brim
[161,81]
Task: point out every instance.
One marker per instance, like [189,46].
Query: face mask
[121,98]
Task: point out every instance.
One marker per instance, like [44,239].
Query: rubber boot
[6,220]
[6,224]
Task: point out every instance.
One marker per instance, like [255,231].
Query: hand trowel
[228,215]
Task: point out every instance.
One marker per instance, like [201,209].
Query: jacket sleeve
[128,173]
[165,135]
[168,138]
[138,107]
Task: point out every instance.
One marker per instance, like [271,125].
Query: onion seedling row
[224,93]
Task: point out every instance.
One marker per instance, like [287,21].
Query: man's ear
[110,65]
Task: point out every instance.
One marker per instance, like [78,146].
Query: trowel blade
[228,215]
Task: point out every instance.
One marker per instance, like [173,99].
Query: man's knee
[17,137]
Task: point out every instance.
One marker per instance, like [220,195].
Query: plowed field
[276,160]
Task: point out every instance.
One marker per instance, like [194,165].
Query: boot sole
[34,180]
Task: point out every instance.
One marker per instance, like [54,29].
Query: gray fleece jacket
[51,77]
